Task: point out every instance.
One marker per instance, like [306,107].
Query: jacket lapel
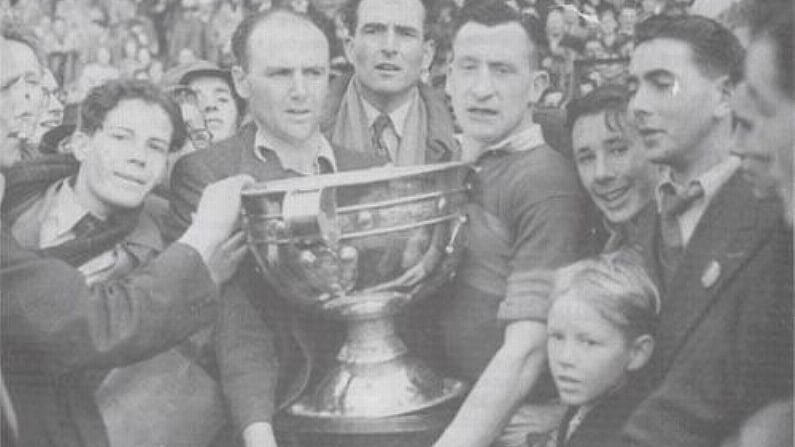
[721,243]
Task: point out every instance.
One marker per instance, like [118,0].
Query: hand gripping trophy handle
[359,247]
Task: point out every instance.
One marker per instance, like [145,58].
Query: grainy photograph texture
[408,223]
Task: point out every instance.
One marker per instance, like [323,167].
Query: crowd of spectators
[90,41]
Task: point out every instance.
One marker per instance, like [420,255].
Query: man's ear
[428,51]
[347,46]
[540,83]
[725,89]
[241,82]
[640,352]
[80,144]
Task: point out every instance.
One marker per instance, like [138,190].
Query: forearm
[259,434]
[47,304]
[500,389]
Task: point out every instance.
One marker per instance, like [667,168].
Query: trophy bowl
[359,247]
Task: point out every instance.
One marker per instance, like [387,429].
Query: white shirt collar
[321,147]
[397,116]
[66,211]
[528,137]
[711,181]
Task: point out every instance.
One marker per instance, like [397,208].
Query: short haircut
[609,99]
[243,32]
[716,50]
[350,16]
[773,20]
[103,99]
[496,12]
[14,31]
[617,286]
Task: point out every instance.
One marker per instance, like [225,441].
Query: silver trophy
[359,247]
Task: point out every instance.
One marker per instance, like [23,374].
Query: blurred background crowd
[90,41]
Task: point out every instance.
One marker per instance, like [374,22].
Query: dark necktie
[88,225]
[380,124]
[673,204]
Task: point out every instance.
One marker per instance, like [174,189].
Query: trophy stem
[372,340]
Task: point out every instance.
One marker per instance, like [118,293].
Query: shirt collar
[321,146]
[397,116]
[711,181]
[529,137]
[66,210]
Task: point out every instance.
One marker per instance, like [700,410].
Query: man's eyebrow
[407,29]
[121,128]
[657,73]
[6,85]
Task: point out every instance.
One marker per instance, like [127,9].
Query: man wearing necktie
[527,215]
[263,350]
[384,109]
[722,258]
[74,221]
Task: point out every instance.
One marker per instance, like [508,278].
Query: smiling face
[492,81]
[287,78]
[124,159]
[674,104]
[588,355]
[216,101]
[612,167]
[388,49]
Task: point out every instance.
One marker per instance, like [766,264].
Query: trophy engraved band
[359,247]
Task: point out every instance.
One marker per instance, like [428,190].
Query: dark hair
[496,12]
[102,99]
[716,50]
[773,20]
[250,23]
[350,16]
[17,32]
[609,99]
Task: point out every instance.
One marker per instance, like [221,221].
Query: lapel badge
[711,274]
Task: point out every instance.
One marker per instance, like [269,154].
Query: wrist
[203,245]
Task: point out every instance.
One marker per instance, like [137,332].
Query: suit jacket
[440,144]
[724,345]
[603,422]
[265,350]
[59,336]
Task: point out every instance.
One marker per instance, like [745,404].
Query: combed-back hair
[772,19]
[617,286]
[243,32]
[716,50]
[13,30]
[102,99]
[496,12]
[610,99]
[350,16]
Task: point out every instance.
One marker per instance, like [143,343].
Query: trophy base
[370,391]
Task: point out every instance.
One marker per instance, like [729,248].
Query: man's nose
[640,105]
[603,172]
[389,43]
[484,84]
[299,85]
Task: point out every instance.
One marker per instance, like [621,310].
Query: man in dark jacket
[265,348]
[83,290]
[722,259]
[385,109]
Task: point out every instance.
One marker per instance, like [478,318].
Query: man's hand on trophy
[225,259]
[214,221]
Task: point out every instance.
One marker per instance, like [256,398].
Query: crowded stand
[625,271]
